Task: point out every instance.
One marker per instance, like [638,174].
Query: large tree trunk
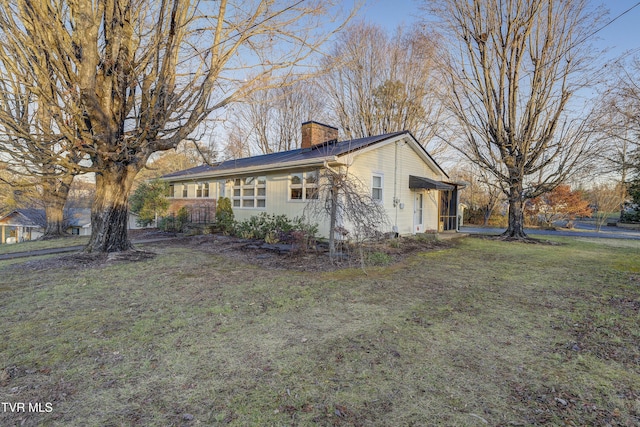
[55,194]
[110,211]
[54,213]
[515,229]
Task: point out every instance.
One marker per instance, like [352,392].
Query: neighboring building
[78,221]
[22,225]
[396,168]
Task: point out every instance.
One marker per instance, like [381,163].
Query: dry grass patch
[480,333]
[35,245]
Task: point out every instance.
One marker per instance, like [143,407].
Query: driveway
[67,249]
[582,229]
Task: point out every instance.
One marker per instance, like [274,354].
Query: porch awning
[420,182]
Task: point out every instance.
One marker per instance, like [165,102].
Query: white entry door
[418,209]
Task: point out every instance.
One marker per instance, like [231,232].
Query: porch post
[3,235]
[457,208]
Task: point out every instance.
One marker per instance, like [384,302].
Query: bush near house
[224,215]
[175,223]
[277,229]
[270,228]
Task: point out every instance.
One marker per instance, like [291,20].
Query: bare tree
[124,79]
[32,147]
[348,204]
[618,125]
[16,191]
[379,84]
[482,194]
[513,67]
[605,199]
[184,156]
[238,145]
[270,119]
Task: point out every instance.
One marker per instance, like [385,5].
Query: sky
[619,37]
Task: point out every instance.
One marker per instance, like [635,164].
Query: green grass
[483,333]
[34,245]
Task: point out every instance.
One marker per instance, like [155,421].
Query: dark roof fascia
[344,147]
[420,182]
[383,138]
[319,161]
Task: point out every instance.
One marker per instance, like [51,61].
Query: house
[22,225]
[414,190]
[78,221]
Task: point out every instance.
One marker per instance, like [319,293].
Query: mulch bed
[256,252]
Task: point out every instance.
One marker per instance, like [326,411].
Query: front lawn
[481,333]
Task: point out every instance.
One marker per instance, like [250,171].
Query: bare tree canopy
[126,78]
[378,84]
[513,67]
[268,121]
[618,125]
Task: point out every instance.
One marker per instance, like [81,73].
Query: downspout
[395,188]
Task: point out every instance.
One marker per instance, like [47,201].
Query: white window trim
[373,187]
[304,186]
[200,187]
[221,187]
[259,182]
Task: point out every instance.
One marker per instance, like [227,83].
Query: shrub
[224,215]
[277,228]
[175,223]
[630,216]
[379,258]
[182,218]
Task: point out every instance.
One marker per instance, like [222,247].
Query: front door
[418,209]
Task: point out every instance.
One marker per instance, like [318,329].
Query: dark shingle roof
[26,217]
[77,217]
[316,152]
[33,217]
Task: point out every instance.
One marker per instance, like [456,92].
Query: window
[376,187]
[296,186]
[221,188]
[303,186]
[184,190]
[202,190]
[172,191]
[250,192]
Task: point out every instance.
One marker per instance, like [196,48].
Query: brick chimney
[314,133]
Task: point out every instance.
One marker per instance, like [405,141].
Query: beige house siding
[394,160]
